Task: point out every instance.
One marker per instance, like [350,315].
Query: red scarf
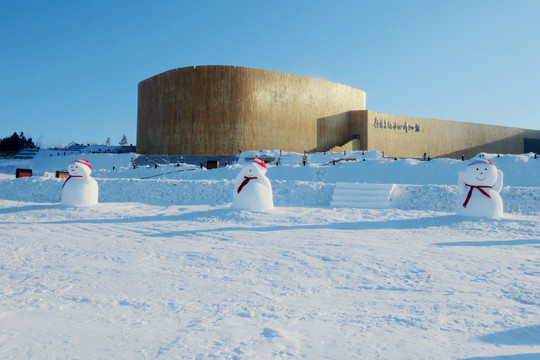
[244,183]
[471,190]
[69,177]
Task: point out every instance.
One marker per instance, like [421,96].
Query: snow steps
[365,196]
[26,153]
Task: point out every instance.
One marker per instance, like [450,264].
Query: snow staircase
[365,196]
[26,153]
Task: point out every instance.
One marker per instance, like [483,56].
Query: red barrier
[19,173]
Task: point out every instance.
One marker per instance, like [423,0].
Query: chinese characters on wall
[383,124]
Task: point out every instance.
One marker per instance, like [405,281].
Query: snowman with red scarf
[80,189]
[479,185]
[252,189]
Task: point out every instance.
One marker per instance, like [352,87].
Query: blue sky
[70,68]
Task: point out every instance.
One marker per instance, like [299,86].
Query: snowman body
[479,185]
[80,189]
[252,189]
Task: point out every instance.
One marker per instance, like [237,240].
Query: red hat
[259,161]
[84,162]
[482,161]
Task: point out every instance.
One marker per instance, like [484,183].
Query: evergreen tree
[15,142]
[124,140]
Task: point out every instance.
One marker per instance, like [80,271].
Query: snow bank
[522,200]
[422,185]
[166,192]
[518,200]
[519,170]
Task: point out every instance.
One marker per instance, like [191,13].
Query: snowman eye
[485,169]
[476,168]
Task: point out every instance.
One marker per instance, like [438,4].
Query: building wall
[403,136]
[333,131]
[219,110]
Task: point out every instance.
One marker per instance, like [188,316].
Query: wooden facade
[406,136]
[220,110]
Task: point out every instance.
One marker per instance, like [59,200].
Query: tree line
[16,143]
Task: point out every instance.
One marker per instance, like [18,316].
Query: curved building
[220,110]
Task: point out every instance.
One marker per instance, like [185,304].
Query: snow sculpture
[252,189]
[479,185]
[80,189]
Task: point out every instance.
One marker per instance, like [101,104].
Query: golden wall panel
[220,110]
[403,136]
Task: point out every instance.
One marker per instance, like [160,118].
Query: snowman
[479,185]
[252,189]
[79,189]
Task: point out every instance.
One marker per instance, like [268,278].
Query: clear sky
[69,69]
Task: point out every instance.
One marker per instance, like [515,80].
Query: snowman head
[80,167]
[480,172]
[254,167]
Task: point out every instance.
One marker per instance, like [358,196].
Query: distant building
[222,110]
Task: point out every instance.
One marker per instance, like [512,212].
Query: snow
[165,268]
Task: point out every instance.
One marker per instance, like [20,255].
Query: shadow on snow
[509,357]
[490,243]
[417,223]
[528,336]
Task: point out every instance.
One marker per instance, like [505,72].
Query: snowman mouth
[481,179]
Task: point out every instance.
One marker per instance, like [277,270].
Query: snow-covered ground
[164,268]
